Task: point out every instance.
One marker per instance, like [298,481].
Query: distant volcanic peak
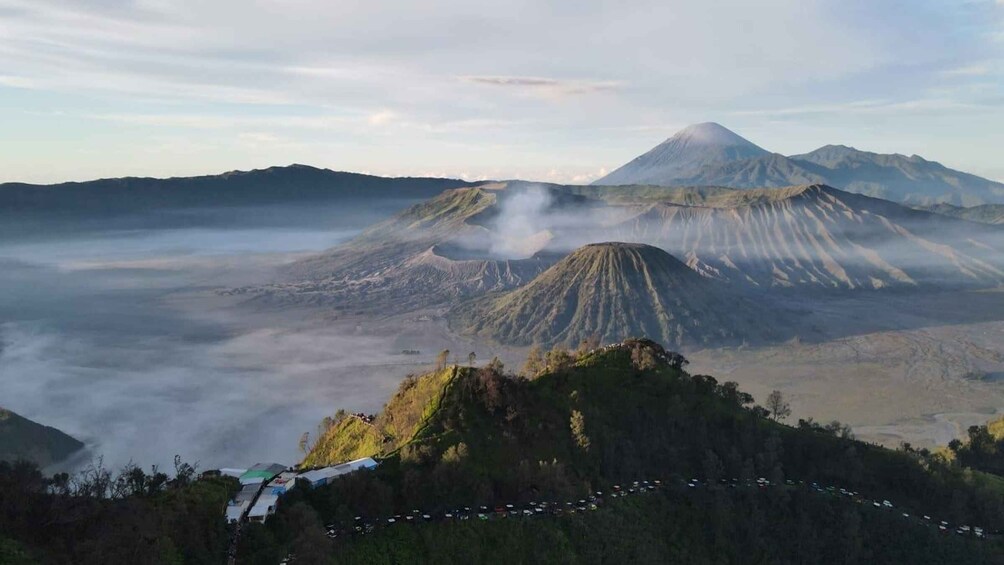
[640,255]
[684,154]
[615,290]
[712,134]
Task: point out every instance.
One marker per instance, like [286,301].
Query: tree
[455,453]
[305,443]
[676,361]
[471,358]
[778,407]
[442,359]
[577,423]
[496,366]
[558,360]
[310,544]
[534,362]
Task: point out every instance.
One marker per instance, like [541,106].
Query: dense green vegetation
[348,437]
[618,414]
[101,518]
[572,424]
[21,438]
[982,449]
[667,527]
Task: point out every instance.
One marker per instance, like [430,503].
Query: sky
[541,90]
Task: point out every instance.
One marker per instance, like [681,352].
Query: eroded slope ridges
[819,236]
[613,291]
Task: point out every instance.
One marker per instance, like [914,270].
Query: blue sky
[558,91]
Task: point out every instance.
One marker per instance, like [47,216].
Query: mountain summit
[685,154]
[710,155]
[613,291]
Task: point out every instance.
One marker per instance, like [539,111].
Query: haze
[109,335]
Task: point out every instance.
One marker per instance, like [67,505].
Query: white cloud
[381,118]
[969,70]
[480,79]
[17,82]
[547,87]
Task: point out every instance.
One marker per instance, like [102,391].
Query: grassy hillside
[406,413]
[21,438]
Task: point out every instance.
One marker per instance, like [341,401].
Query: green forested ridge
[624,413]
[573,427]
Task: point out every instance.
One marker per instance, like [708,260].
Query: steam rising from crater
[523,225]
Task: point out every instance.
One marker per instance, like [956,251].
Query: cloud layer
[553,90]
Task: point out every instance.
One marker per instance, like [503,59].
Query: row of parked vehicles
[593,501]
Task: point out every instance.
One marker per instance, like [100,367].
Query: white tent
[235,510]
[321,476]
[264,507]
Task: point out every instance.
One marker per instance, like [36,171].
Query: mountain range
[817,236]
[708,154]
[984,213]
[258,198]
[811,236]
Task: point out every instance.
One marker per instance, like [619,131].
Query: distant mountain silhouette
[711,155]
[684,155]
[275,185]
[20,438]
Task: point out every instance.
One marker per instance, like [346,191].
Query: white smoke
[523,225]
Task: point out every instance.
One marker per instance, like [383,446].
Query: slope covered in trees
[613,415]
[102,518]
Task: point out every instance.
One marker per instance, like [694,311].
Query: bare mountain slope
[984,213]
[818,236]
[431,253]
[899,177]
[614,291]
[683,155]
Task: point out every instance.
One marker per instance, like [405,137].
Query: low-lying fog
[116,338]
